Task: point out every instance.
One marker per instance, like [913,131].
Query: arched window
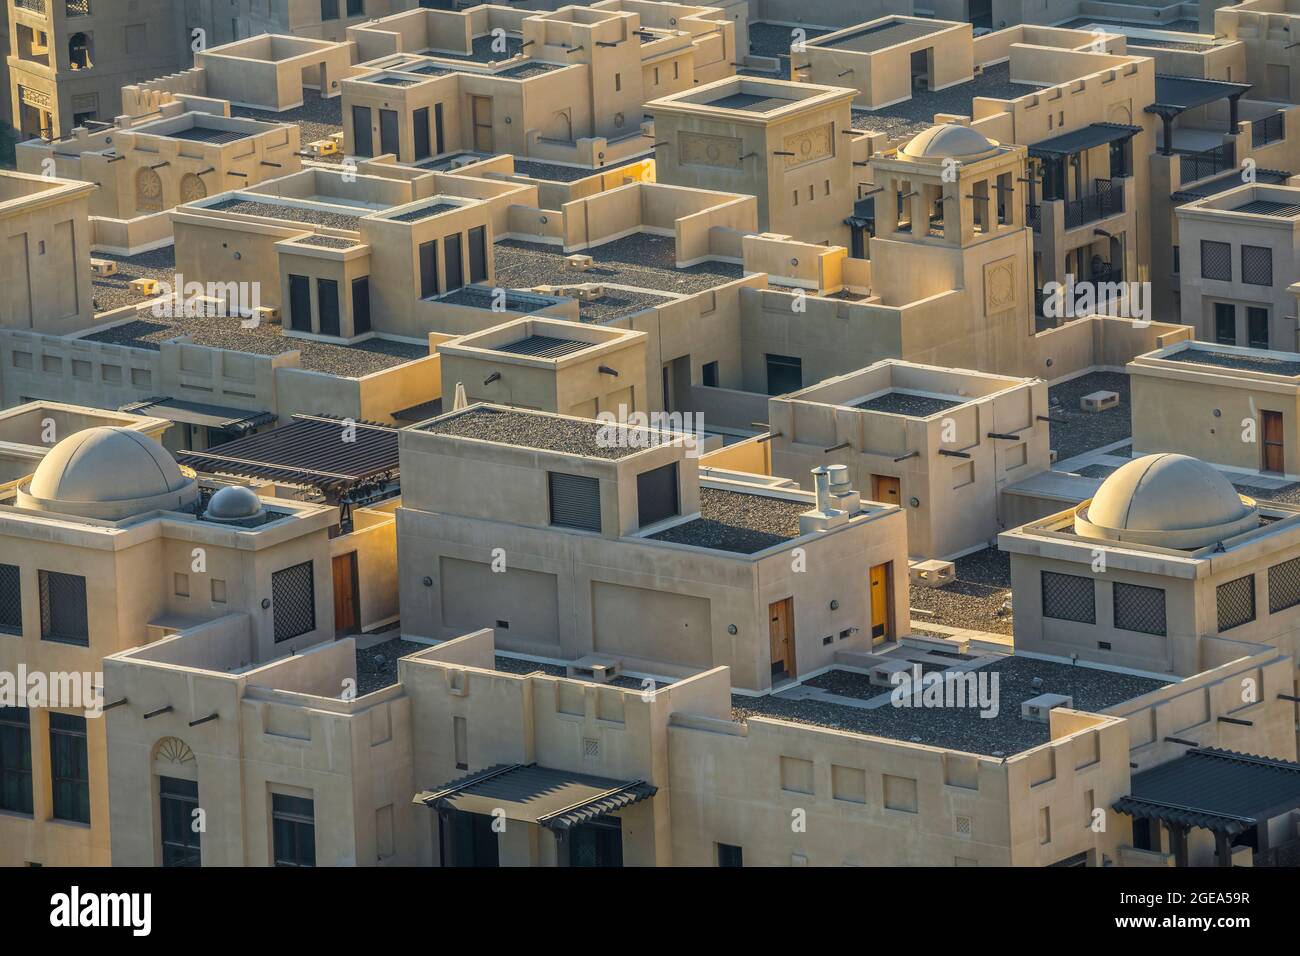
[180,823]
[79,51]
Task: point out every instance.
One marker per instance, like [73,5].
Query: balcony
[1106,200]
[1209,162]
[1269,129]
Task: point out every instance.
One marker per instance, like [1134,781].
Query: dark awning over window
[1098,134]
[1214,789]
[527,793]
[236,421]
[1174,94]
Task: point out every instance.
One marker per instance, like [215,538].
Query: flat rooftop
[641,260]
[563,173]
[898,402]
[543,346]
[481,49]
[568,436]
[916,115]
[1269,207]
[750,102]
[878,36]
[1255,362]
[482,297]
[203,133]
[955,728]
[1139,10]
[774,39]
[316,118]
[1073,431]
[737,521]
[1229,180]
[148,332]
[427,211]
[271,208]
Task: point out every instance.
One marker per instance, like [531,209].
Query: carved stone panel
[703,149]
[810,145]
[1000,285]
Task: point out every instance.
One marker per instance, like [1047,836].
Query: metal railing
[1194,166]
[1270,129]
[1107,200]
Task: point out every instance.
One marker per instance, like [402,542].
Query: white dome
[950,141]
[108,472]
[234,503]
[1170,500]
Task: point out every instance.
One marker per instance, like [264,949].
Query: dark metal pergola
[1222,791]
[337,457]
[1177,94]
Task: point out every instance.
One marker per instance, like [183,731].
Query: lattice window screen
[1069,597]
[293,599]
[1236,601]
[1139,608]
[1216,260]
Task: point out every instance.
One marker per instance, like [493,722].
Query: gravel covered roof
[641,260]
[529,430]
[1083,431]
[316,118]
[275,210]
[424,212]
[963,729]
[327,242]
[562,173]
[1244,363]
[915,115]
[482,51]
[738,521]
[148,331]
[973,600]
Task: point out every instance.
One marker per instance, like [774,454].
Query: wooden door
[885,488]
[880,603]
[482,113]
[1274,446]
[781,631]
[347,618]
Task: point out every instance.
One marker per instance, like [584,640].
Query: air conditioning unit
[588,293]
[577,263]
[1039,709]
[143,286]
[323,147]
[103,267]
[266,315]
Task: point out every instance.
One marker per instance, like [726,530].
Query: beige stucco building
[108,545]
[939,443]
[45,269]
[69,59]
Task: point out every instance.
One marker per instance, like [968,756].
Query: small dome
[234,503]
[1170,500]
[950,141]
[108,472]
